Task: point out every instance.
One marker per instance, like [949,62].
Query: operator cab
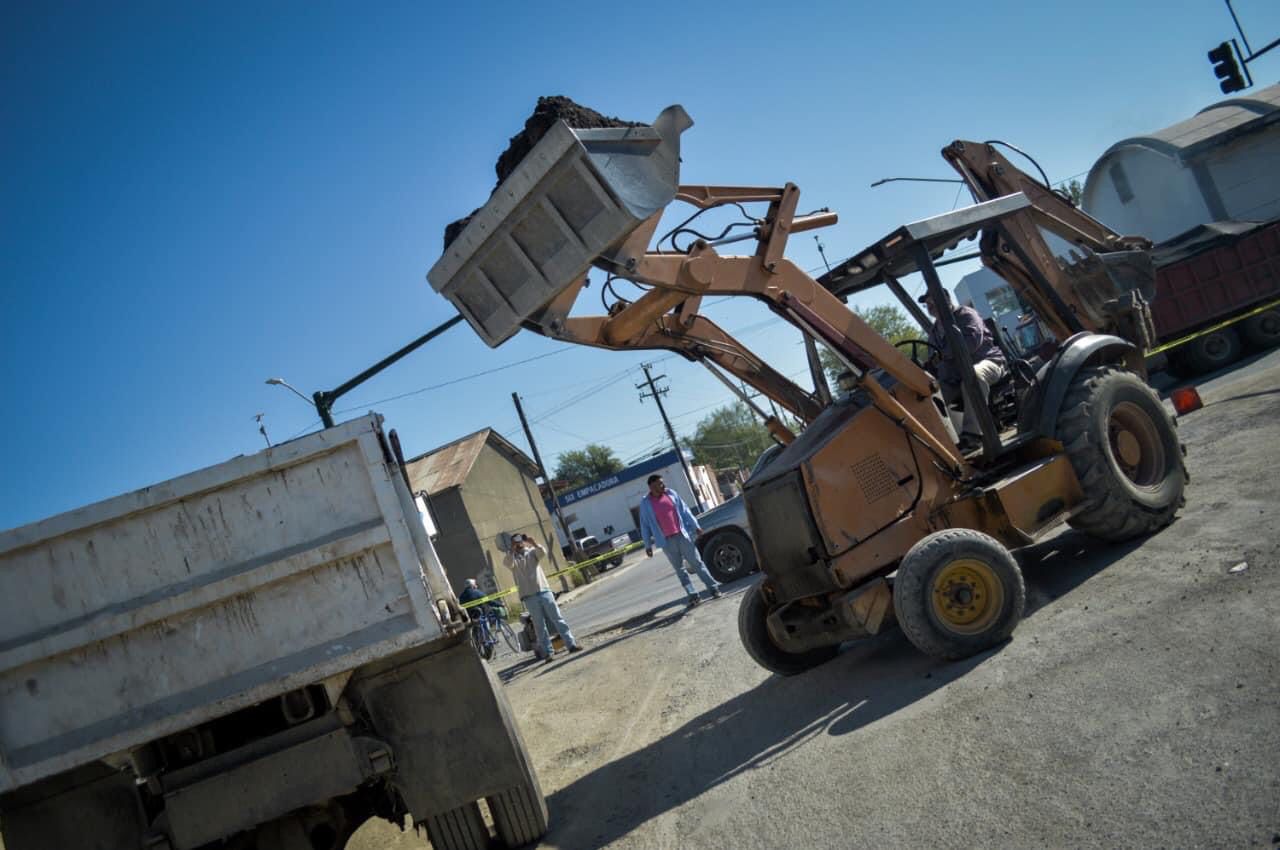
[918,247]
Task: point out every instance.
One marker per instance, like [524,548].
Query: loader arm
[703,341]
[1096,291]
[666,317]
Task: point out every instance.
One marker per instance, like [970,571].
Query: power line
[453,381]
[582,396]
[566,433]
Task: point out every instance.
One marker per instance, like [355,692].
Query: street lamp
[281,382]
[885,180]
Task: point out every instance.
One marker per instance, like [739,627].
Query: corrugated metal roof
[1208,124]
[449,465]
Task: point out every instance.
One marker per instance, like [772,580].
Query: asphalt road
[641,587]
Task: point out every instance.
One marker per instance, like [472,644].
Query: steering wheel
[917,344]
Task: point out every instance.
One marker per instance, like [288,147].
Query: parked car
[726,544]
[591,547]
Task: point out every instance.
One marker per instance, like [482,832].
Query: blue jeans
[545,612]
[679,550]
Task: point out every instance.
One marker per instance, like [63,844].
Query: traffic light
[1226,68]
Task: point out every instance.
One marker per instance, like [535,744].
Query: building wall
[1143,192]
[499,498]
[612,508]
[1246,174]
[456,542]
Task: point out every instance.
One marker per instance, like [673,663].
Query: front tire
[753,629]
[1124,448]
[729,555]
[483,649]
[509,636]
[957,593]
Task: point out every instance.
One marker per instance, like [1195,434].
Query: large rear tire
[957,593]
[753,629]
[519,816]
[458,829]
[1124,448]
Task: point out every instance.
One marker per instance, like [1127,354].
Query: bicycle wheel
[509,635]
[480,640]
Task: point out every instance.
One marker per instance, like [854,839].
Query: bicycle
[487,626]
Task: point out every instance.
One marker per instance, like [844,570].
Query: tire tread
[910,595]
[517,816]
[462,828]
[1109,512]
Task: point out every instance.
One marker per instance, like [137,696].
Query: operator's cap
[924,299]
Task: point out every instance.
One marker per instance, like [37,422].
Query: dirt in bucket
[548,111]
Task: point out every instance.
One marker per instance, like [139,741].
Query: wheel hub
[1127,448]
[1136,445]
[967,596]
[728,558]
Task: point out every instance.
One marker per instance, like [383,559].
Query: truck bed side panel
[1216,283]
[145,614]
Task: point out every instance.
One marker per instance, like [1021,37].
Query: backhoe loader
[870,514]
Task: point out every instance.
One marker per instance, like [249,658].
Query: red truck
[1217,294]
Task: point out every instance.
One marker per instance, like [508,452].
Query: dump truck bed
[143,615]
[1212,272]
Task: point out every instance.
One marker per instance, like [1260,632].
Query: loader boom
[1093,292]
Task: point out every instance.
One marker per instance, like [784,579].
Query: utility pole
[542,470]
[657,394]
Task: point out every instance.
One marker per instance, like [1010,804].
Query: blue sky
[196,197]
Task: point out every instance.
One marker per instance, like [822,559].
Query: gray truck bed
[151,612]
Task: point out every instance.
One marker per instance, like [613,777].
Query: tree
[1075,192]
[729,437]
[593,461]
[887,320]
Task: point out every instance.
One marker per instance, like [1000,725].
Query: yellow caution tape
[1175,343]
[630,547]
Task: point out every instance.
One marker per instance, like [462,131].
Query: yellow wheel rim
[967,596]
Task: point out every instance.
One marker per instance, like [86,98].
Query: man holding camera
[524,559]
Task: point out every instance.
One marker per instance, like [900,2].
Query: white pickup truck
[261,655]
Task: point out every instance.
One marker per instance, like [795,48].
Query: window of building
[1121,181]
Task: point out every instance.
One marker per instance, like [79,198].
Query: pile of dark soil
[548,111]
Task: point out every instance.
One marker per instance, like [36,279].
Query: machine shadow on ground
[869,680]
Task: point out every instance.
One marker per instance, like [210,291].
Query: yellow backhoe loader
[871,513]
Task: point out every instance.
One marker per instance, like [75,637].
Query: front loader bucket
[1102,280]
[573,197]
